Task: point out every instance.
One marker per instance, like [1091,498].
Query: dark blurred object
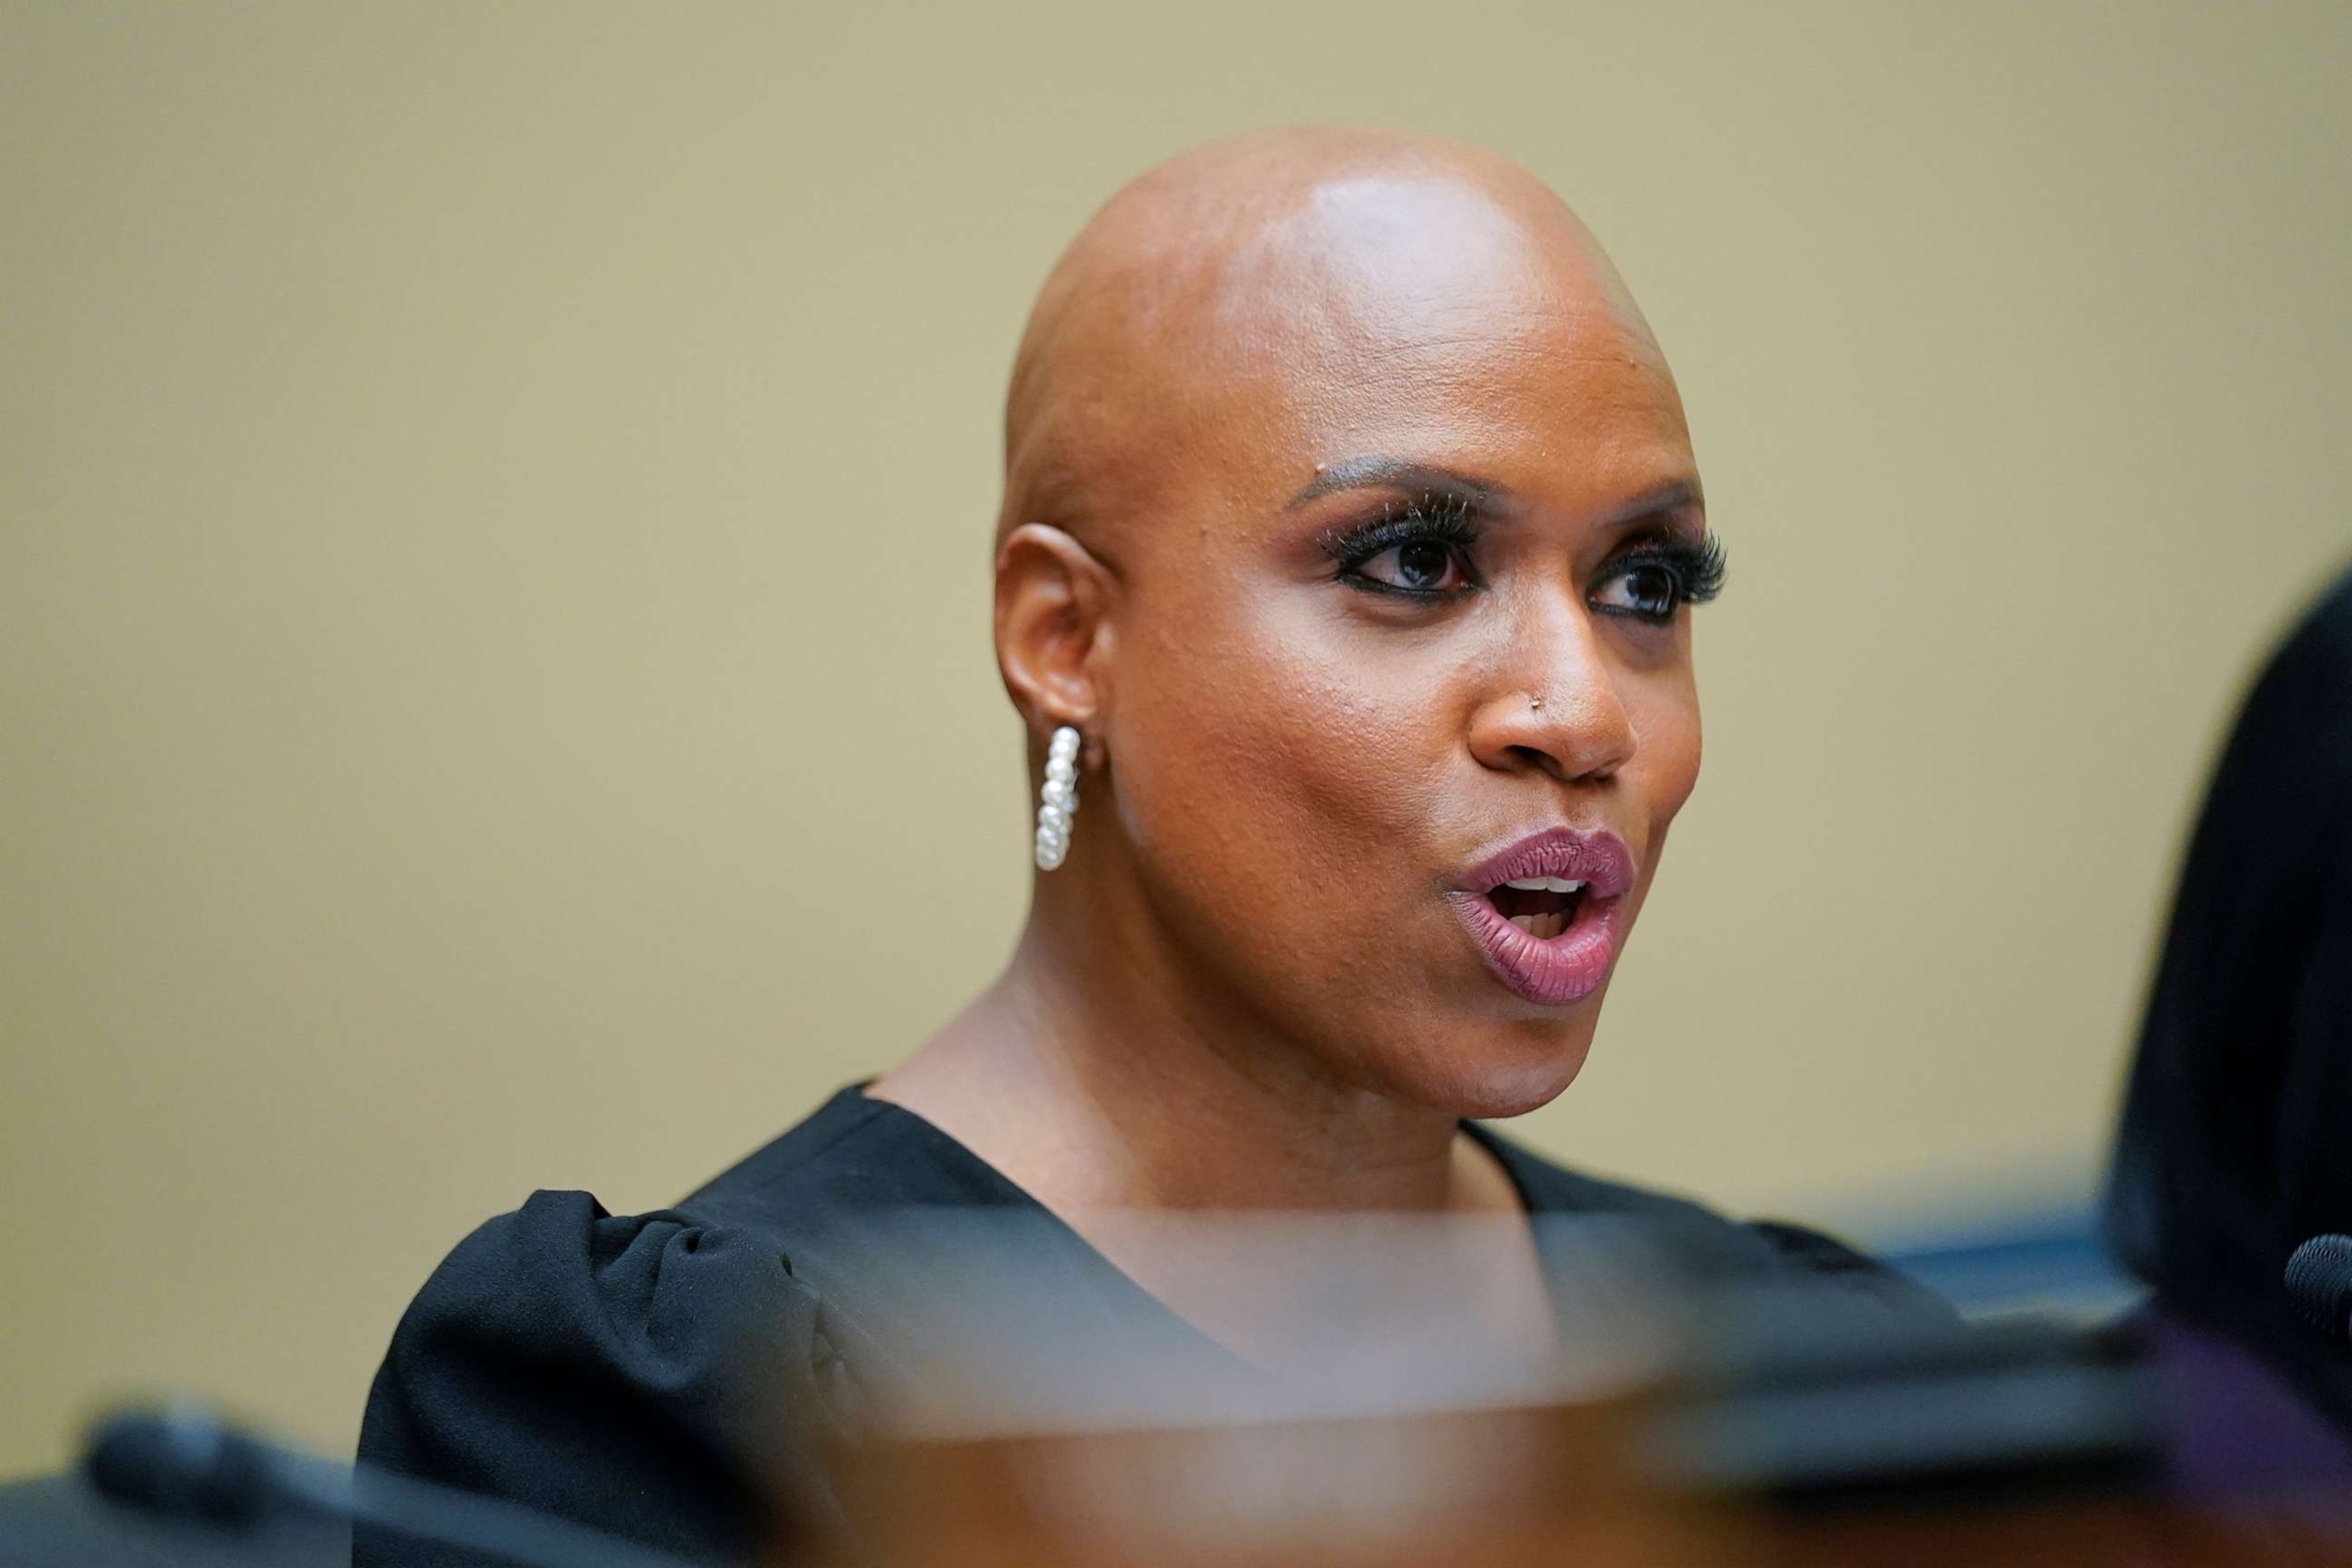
[2234,1150]
[2319,1279]
[184,1465]
[2238,1436]
[2234,1146]
[182,1460]
[1801,1409]
[63,1522]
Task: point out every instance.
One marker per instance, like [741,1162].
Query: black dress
[654,1375]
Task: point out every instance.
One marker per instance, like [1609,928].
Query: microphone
[2319,1281]
[183,1462]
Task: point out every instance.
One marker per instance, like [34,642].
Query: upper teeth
[1545,885]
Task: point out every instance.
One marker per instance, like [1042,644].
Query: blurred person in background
[2236,1142]
[1344,583]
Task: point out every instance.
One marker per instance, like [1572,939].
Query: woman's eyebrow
[1376,472]
[1674,496]
[1396,474]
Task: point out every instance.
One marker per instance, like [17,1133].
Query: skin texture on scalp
[1246,988]
[1183,286]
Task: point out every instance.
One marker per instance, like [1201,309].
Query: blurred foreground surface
[1668,1417]
[1674,1420]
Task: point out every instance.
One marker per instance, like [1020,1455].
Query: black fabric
[2236,1142]
[669,1376]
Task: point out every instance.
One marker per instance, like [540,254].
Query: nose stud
[1535,704]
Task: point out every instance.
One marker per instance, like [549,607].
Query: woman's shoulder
[620,1369]
[615,1370]
[654,1290]
[1700,1241]
[853,1153]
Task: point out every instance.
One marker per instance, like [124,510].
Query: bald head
[1270,277]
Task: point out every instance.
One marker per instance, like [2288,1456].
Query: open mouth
[1544,912]
[1543,907]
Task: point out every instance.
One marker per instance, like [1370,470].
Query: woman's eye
[1417,566]
[1651,592]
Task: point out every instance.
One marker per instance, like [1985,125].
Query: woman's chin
[1493,1079]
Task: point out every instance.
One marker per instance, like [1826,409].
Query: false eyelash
[1441,515]
[1698,570]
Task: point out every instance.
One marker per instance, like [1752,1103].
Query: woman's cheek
[1272,774]
[1208,743]
[1670,745]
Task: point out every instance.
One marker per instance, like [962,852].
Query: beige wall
[493,508]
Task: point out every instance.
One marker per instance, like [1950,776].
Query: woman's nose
[1554,705]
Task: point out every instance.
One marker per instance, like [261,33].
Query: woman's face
[1405,616]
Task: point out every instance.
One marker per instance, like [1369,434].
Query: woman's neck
[1097,1081]
[1146,1127]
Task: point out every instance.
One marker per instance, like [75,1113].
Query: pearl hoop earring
[1059,799]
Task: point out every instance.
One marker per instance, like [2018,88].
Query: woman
[1344,577]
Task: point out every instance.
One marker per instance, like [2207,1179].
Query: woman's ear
[1053,626]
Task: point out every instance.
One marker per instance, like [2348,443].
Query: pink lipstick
[1544,912]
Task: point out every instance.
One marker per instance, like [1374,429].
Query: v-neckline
[1009,1193]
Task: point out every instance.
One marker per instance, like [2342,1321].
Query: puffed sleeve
[652,1377]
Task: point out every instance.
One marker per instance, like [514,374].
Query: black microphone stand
[186,1463]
